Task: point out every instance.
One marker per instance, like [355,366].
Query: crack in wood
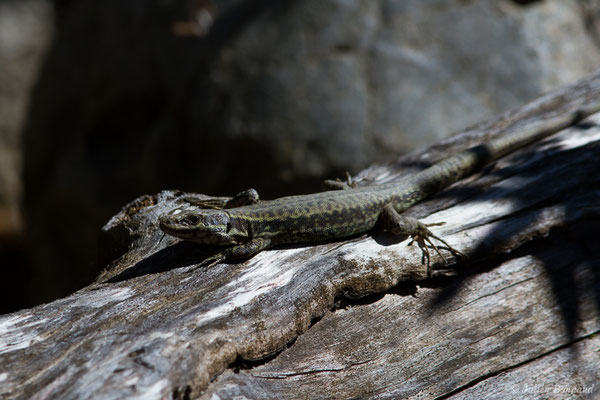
[515,366]
[314,371]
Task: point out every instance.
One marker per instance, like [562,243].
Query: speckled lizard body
[247,226]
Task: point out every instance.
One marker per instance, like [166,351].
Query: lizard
[245,226]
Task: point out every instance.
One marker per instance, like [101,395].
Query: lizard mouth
[195,229]
[172,228]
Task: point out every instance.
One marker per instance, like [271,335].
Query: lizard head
[202,226]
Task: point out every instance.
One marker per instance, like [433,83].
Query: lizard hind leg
[419,232]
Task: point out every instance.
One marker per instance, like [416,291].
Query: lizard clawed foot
[349,181]
[422,236]
[338,184]
[418,231]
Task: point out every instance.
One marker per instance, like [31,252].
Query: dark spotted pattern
[314,217]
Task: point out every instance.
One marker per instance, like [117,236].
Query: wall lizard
[246,226]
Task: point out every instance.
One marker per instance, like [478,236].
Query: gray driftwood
[520,319]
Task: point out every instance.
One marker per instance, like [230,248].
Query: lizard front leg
[402,225]
[245,198]
[238,252]
[247,250]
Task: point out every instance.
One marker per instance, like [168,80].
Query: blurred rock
[25,33]
[218,96]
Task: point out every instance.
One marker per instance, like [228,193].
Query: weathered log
[287,323]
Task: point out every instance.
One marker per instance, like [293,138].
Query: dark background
[101,102]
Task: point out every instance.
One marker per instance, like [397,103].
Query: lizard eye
[191,220]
